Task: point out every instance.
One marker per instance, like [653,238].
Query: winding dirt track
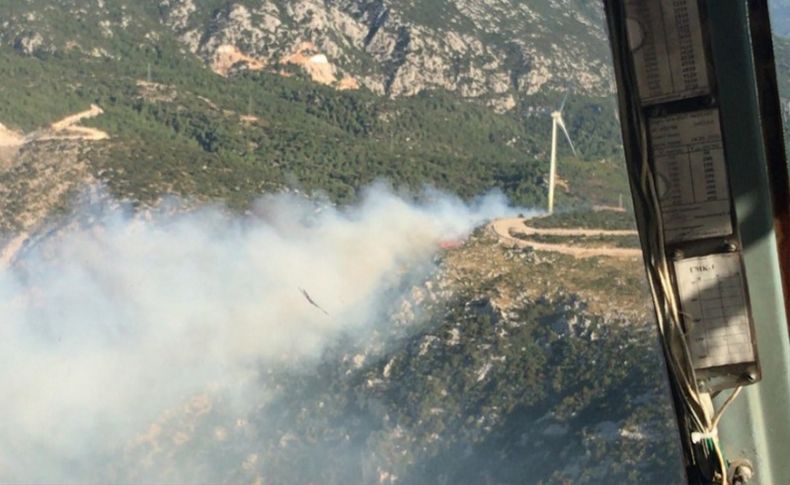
[507,229]
[10,138]
[68,129]
[11,141]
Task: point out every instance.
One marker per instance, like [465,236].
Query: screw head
[743,472]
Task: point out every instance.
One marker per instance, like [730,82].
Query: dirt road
[10,138]
[12,141]
[507,229]
[67,127]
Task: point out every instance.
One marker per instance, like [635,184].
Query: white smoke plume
[107,323]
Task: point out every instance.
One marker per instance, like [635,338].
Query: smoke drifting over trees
[116,317]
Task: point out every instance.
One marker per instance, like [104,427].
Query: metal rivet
[742,471]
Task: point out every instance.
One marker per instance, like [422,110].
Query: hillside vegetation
[177,127]
[193,133]
[505,365]
[499,369]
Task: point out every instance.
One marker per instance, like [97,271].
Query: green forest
[192,133]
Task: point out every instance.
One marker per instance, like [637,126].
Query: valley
[276,242]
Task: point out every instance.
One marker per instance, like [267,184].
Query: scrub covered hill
[502,362]
[505,366]
[193,133]
[175,126]
[265,123]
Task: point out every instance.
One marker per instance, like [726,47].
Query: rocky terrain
[497,52]
[233,98]
[505,366]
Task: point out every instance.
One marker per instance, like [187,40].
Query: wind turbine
[556,120]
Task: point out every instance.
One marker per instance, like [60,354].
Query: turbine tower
[556,120]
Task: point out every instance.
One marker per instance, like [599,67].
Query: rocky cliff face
[493,51]
[477,49]
[497,51]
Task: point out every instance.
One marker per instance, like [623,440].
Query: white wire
[664,295]
[668,314]
[715,423]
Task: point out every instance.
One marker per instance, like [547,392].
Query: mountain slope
[177,127]
[488,74]
[497,368]
[497,51]
[498,356]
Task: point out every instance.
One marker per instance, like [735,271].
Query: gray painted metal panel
[757,425]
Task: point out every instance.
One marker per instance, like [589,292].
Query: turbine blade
[564,98]
[567,135]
